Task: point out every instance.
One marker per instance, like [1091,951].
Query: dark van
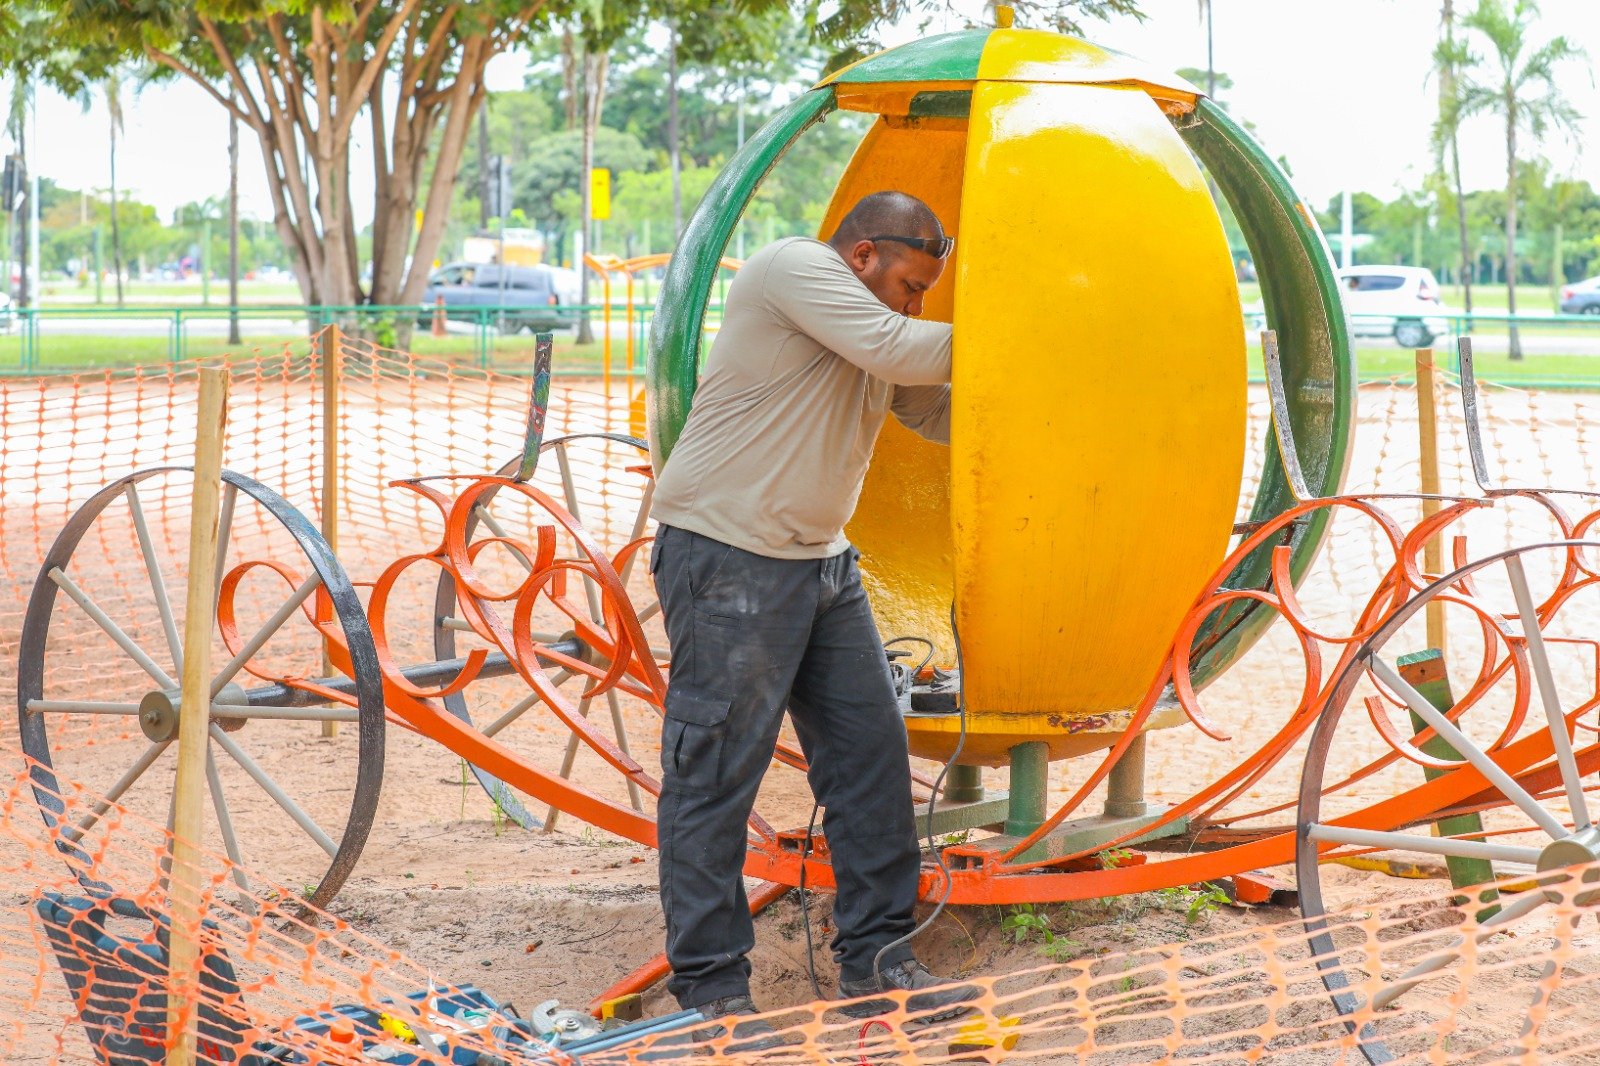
[528,293]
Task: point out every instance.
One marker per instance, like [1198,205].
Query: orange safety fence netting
[1234,996]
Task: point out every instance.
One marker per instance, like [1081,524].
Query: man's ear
[860,255]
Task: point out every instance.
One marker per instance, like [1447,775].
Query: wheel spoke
[522,706]
[165,865]
[279,796]
[640,519]
[114,631]
[225,820]
[158,585]
[80,707]
[498,530]
[1466,849]
[621,730]
[264,634]
[1523,905]
[115,792]
[567,759]
[1468,750]
[230,493]
[569,489]
[1556,719]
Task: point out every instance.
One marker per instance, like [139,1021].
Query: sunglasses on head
[938,247]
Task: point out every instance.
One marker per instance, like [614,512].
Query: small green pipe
[1030,775]
[963,784]
[1424,671]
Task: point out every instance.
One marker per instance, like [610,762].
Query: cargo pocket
[691,738]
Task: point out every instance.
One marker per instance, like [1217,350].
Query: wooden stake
[1428,458]
[331,342]
[194,719]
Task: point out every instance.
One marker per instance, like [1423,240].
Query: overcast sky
[1338,87]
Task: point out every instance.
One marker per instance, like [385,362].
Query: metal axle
[434,673]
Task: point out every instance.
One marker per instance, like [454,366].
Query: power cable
[933,799]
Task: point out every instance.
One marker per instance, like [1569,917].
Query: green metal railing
[43,340]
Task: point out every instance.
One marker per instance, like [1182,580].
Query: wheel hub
[159,712]
[1580,849]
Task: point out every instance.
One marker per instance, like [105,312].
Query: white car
[7,319]
[1393,301]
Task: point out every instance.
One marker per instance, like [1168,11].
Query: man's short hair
[887,212]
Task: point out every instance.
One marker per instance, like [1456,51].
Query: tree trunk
[233,230]
[569,79]
[1557,267]
[116,229]
[302,106]
[1514,340]
[483,168]
[1447,103]
[585,332]
[1467,267]
[24,294]
[673,154]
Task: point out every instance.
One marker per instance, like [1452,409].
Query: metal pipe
[264,634]
[273,789]
[158,586]
[1469,750]
[1125,782]
[1470,849]
[114,631]
[434,673]
[1030,774]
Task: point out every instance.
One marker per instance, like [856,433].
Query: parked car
[6,317]
[1393,301]
[1581,298]
[531,290]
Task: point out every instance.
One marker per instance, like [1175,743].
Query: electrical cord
[924,641]
[938,785]
[805,911]
[933,799]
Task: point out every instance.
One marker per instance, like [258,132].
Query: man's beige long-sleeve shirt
[805,368]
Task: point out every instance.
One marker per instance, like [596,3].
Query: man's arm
[815,290]
[924,409]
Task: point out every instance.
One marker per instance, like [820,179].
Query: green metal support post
[1425,672]
[1030,775]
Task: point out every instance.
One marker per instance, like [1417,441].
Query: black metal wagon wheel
[100,665]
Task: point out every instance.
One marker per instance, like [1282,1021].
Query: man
[763,601]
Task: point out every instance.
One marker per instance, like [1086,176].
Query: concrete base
[1089,834]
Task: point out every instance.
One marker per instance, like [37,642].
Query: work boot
[929,993]
[756,1035]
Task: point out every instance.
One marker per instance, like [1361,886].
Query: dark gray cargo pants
[750,636]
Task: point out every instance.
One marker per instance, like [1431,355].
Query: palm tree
[1448,58]
[16,125]
[233,229]
[113,90]
[1522,92]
